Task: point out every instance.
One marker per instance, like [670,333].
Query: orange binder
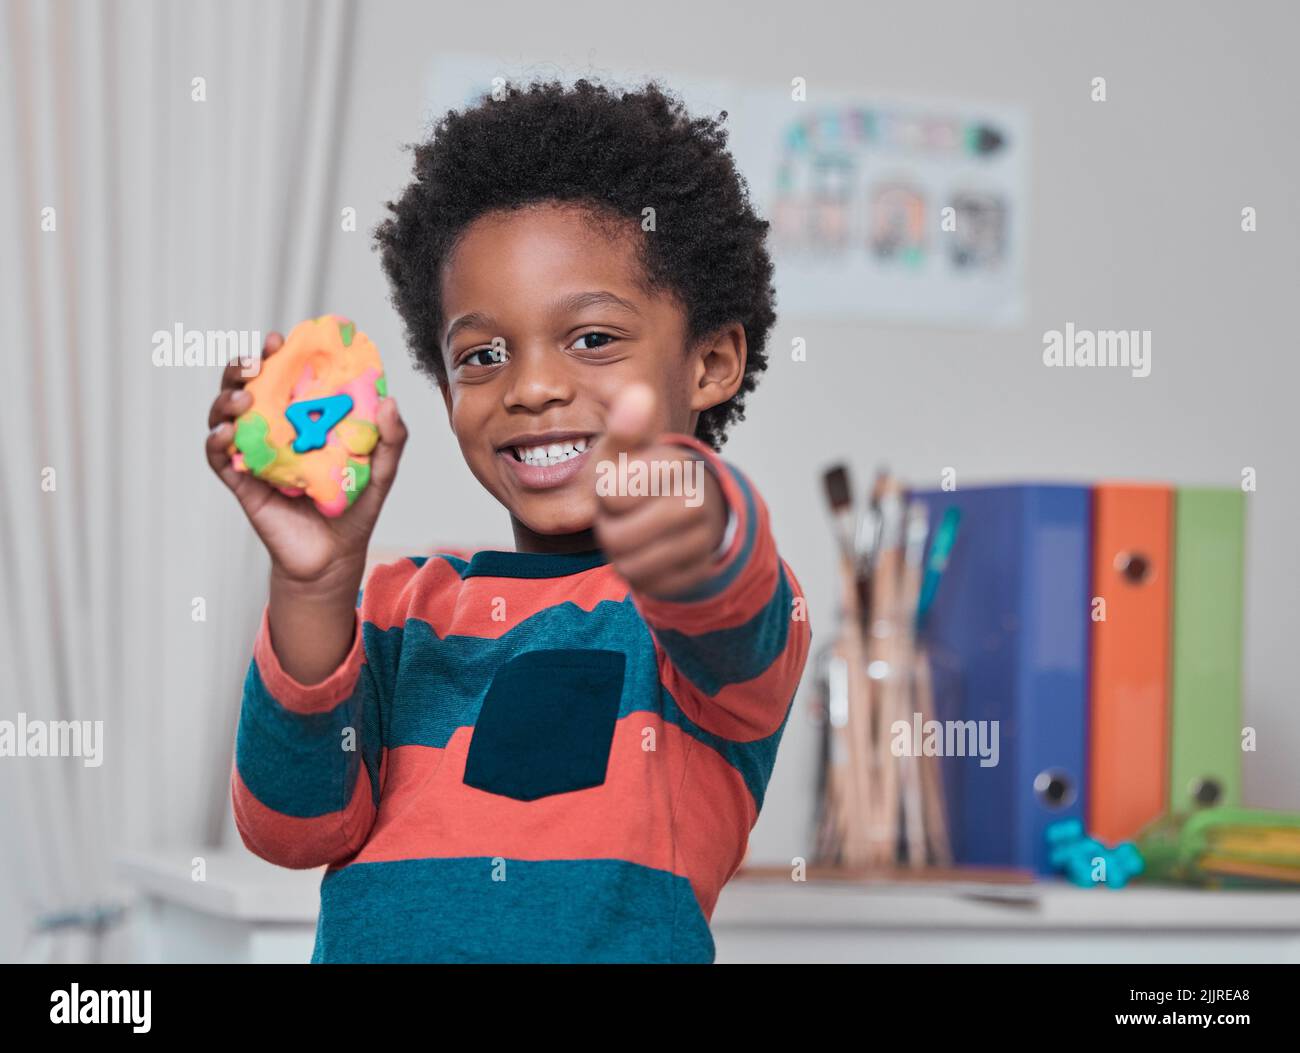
[1129,695]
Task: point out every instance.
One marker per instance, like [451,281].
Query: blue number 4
[313,418]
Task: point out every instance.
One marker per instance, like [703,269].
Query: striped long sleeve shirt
[523,760]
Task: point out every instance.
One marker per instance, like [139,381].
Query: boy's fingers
[674,584]
[687,551]
[244,486]
[217,446]
[237,373]
[228,405]
[630,528]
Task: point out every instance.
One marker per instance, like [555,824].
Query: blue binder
[1008,637]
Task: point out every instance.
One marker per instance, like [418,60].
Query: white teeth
[554,453]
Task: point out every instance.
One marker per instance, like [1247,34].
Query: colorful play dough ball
[311,426]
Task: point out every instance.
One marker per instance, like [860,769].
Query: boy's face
[545,322]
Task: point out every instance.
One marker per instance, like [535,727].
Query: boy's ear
[719,367]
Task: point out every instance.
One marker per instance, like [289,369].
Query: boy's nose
[538,377]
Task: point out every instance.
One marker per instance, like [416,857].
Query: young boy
[556,753]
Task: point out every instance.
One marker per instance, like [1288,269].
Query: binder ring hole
[1054,788]
[1207,792]
[1134,567]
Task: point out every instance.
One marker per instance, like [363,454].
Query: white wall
[1134,224]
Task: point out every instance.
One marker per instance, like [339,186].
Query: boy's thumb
[630,423]
[388,451]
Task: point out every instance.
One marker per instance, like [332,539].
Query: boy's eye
[494,355]
[592,336]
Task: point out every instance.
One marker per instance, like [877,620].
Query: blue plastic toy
[1075,853]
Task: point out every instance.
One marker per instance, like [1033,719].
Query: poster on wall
[886,209]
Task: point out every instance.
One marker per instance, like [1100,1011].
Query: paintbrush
[854,748]
[915,530]
[839,496]
[882,668]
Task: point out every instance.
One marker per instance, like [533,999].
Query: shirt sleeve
[309,758]
[732,650]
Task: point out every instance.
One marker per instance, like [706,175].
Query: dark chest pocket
[546,724]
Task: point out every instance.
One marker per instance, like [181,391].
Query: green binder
[1205,718]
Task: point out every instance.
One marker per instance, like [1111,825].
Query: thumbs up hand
[660,513]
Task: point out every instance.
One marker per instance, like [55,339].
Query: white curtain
[217,214]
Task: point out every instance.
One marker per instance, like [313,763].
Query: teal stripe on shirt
[295,763]
[715,659]
[584,910]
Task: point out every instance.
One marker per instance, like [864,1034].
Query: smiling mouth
[546,454]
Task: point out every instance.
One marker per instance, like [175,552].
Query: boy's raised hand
[662,544]
[304,545]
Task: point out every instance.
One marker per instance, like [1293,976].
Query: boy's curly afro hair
[616,152]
